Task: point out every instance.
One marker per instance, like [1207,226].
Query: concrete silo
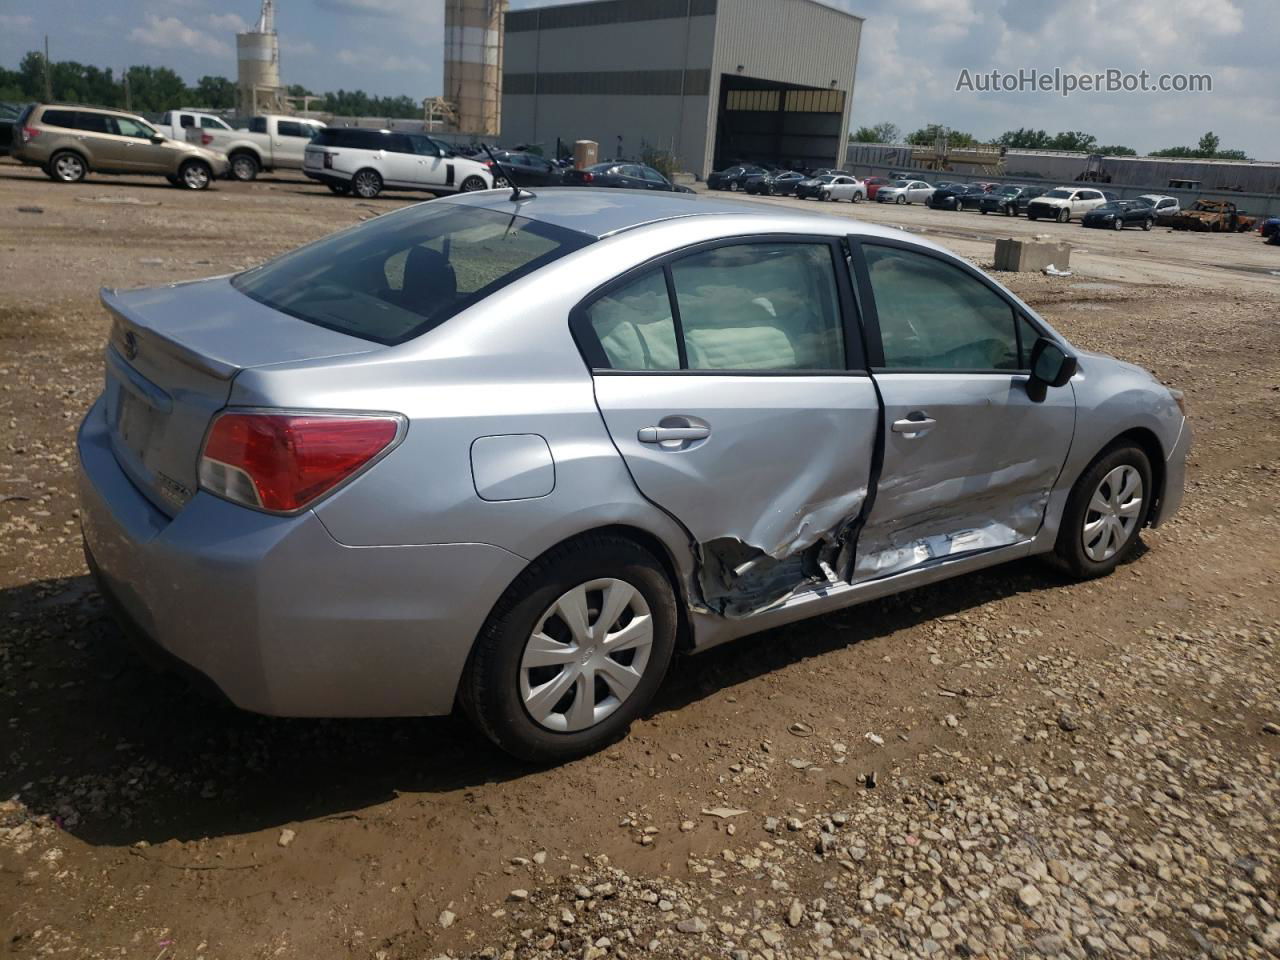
[473,64]
[258,57]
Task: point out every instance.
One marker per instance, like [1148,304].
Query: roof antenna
[516,193]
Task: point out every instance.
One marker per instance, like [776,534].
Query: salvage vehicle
[271,143]
[1065,203]
[1269,227]
[780,184]
[811,187]
[625,174]
[1118,214]
[190,125]
[952,196]
[366,162]
[526,169]
[515,452]
[9,114]
[1163,206]
[733,178]
[68,141]
[844,187]
[1010,200]
[1213,216]
[904,191]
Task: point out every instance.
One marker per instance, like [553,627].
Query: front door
[969,460]
[429,162]
[730,383]
[142,155]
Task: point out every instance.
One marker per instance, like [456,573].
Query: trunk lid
[171,357]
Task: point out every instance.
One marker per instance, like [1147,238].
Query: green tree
[1209,144]
[926,136]
[1117,151]
[215,93]
[1076,140]
[883,132]
[1025,138]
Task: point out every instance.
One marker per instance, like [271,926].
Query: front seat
[430,283]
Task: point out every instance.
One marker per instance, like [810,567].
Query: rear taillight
[206,139]
[588,177]
[283,461]
[29,134]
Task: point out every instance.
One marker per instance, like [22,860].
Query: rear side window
[407,272]
[59,118]
[95,123]
[258,125]
[186,120]
[935,316]
[635,326]
[353,138]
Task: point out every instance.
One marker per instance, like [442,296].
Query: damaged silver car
[515,453]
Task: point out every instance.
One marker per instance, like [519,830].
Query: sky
[912,55]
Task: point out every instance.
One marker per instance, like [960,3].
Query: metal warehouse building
[711,81]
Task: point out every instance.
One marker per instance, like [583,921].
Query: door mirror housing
[1051,366]
[157,138]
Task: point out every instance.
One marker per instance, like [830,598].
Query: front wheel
[1064,215]
[573,651]
[1106,511]
[473,183]
[733,186]
[367,184]
[1118,223]
[195,175]
[901,199]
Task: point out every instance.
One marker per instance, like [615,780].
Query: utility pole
[48,73]
[128,97]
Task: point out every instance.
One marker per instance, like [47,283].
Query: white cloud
[227,22]
[172,34]
[15,22]
[297,48]
[380,60]
[415,10]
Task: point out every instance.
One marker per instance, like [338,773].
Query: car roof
[602,211]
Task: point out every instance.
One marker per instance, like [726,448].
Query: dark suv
[1010,200]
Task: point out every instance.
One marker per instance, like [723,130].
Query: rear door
[731,380]
[968,459]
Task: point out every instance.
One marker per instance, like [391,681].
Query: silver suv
[69,141]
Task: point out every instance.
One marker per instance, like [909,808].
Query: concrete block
[1022,256]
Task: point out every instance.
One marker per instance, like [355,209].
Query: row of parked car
[1090,206]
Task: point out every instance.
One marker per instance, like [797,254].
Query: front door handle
[914,425]
[663,434]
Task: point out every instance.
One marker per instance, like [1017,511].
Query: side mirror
[1051,366]
[157,138]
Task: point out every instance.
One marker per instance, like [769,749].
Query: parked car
[1162,205]
[844,187]
[1269,227]
[390,477]
[629,175]
[70,141]
[527,169]
[1118,214]
[904,191]
[951,197]
[732,178]
[9,114]
[271,143]
[811,187]
[366,162]
[1065,203]
[873,184]
[1010,200]
[780,184]
[190,125]
[1214,216]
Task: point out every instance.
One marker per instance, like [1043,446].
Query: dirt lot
[1006,765]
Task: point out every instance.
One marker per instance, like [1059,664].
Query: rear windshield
[405,273]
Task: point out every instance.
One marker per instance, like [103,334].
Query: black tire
[244,167]
[366,184]
[1146,224]
[67,166]
[857,197]
[1069,550]
[471,184]
[1032,216]
[340,189]
[1064,215]
[195,175]
[734,186]
[490,689]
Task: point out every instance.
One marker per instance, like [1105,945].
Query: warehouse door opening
[777,124]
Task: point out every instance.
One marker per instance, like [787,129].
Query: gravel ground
[1005,765]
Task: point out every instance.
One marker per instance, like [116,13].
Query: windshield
[405,273]
[1113,206]
[1059,194]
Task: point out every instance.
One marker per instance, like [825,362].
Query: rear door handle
[662,434]
[914,427]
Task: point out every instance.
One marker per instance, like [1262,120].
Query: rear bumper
[1175,477]
[327,176]
[274,612]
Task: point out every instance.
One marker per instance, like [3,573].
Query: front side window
[212,123]
[652,175]
[760,306]
[935,316]
[132,128]
[290,128]
[407,272]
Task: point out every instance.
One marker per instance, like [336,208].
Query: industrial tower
[258,86]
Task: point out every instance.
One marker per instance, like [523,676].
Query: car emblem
[131,345]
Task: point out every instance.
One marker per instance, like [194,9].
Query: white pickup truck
[271,143]
[189,125]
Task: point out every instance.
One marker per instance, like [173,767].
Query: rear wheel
[733,186]
[857,197]
[244,166]
[195,175]
[367,184]
[573,651]
[1105,512]
[473,183]
[67,167]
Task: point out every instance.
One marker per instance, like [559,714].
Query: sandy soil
[1055,769]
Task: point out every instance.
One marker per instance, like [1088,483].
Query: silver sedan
[904,191]
[515,454]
